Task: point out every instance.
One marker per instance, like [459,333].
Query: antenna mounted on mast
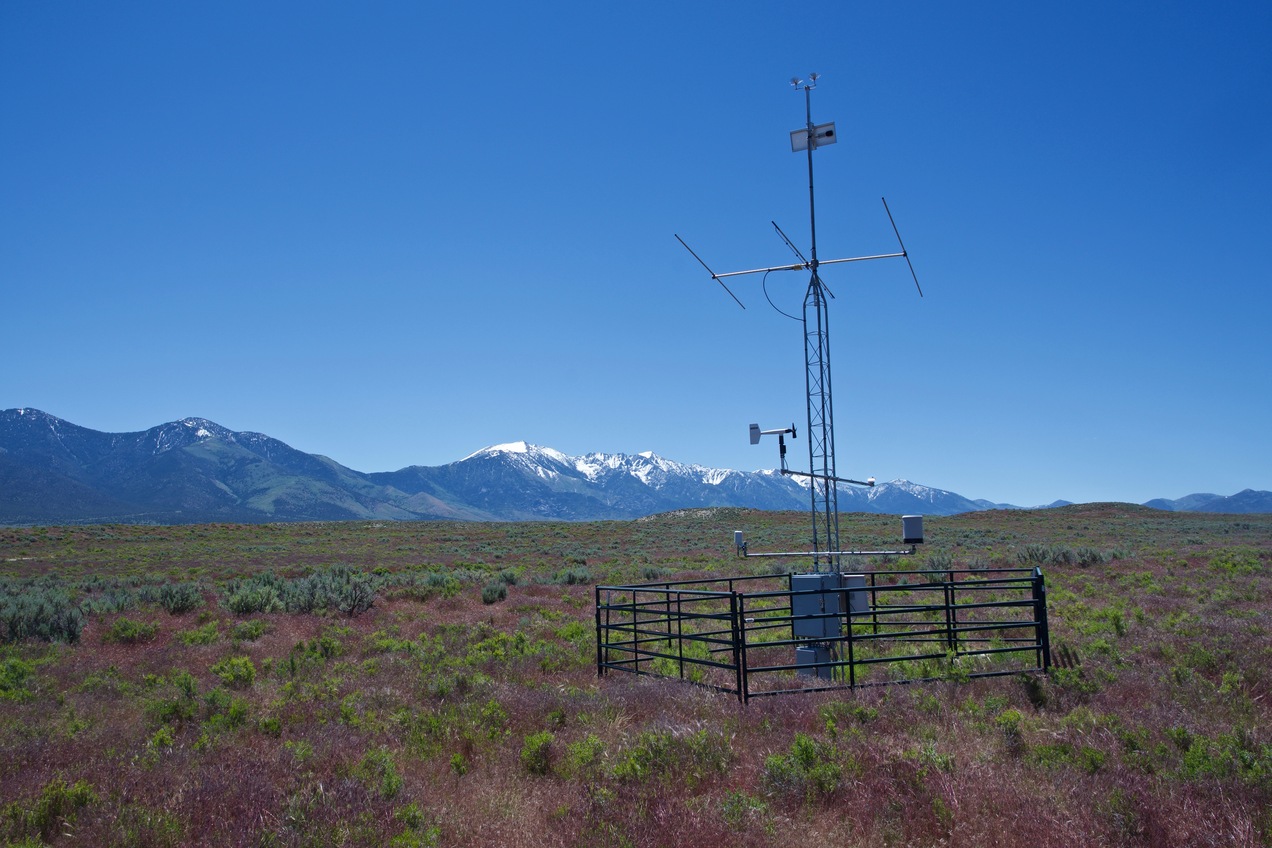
[822,474]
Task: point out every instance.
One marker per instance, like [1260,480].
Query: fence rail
[771,634]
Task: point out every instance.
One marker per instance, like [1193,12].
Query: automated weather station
[822,627]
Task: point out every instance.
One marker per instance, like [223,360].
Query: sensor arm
[868,482]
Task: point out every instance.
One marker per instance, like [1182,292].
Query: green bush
[419,832]
[1087,557]
[225,712]
[205,635]
[178,707]
[1236,560]
[446,585]
[536,753]
[661,753]
[14,674]
[177,598]
[237,672]
[1009,722]
[494,591]
[250,631]
[339,587]
[127,631]
[572,576]
[31,611]
[49,812]
[584,755]
[254,595]
[809,768]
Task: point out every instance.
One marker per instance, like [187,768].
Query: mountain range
[196,471]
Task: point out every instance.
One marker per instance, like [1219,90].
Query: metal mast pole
[824,492]
[823,478]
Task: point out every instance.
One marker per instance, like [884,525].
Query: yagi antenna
[789,243]
[713,274]
[795,249]
[823,479]
[903,253]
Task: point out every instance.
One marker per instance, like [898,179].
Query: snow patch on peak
[203,428]
[508,447]
[523,450]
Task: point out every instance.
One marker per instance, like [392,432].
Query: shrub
[739,808]
[419,832]
[254,595]
[14,674]
[31,612]
[572,576]
[494,591]
[177,598]
[339,587]
[237,672]
[250,631]
[55,806]
[180,707]
[379,772]
[536,753]
[1236,561]
[834,713]
[1009,722]
[205,635]
[225,712]
[1087,557]
[127,631]
[808,769]
[582,756]
[660,753]
[938,563]
[447,585]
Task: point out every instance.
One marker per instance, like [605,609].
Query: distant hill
[195,471]
[1243,502]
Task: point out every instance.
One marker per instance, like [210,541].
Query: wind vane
[821,429]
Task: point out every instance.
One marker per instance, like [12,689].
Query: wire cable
[764,285]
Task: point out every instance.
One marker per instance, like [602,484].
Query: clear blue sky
[395,233]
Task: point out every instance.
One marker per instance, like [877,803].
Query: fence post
[636,648]
[680,628]
[874,603]
[737,626]
[600,663]
[951,619]
[1041,630]
[852,663]
[746,677]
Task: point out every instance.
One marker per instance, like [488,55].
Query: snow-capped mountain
[523,481]
[194,470]
[520,480]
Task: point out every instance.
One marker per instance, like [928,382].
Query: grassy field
[419,684]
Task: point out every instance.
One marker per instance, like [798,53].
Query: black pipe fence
[778,634]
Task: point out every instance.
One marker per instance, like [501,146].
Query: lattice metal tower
[821,413]
[822,474]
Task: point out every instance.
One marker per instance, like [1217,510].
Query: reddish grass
[1139,752]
